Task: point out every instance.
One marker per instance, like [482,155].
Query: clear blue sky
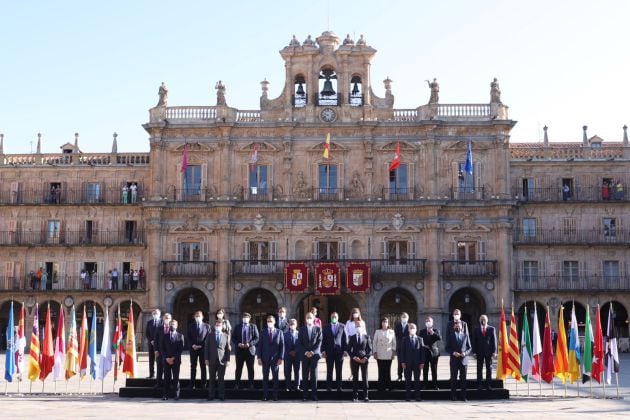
[95,67]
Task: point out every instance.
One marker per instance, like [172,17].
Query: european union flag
[9,362]
[468,167]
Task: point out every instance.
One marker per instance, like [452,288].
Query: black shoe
[453,399]
[265,399]
[210,399]
[407,399]
[464,399]
[366,399]
[222,399]
[236,386]
[419,399]
[164,398]
[315,399]
[303,398]
[275,398]
[355,398]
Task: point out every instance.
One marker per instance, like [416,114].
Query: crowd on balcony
[612,190]
[88,280]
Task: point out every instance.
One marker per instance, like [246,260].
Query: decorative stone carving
[238,192]
[191,223]
[300,189]
[278,191]
[259,222]
[328,222]
[356,185]
[308,42]
[348,40]
[361,40]
[397,221]
[495,92]
[435,91]
[220,87]
[163,95]
[294,42]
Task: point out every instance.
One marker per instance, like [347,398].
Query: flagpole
[578,386]
[603,385]
[617,380]
[540,386]
[553,387]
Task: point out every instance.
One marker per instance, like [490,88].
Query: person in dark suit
[430,336]
[283,323]
[400,329]
[172,348]
[412,357]
[217,358]
[333,348]
[292,357]
[197,333]
[310,342]
[244,341]
[485,348]
[457,316]
[270,352]
[163,332]
[458,347]
[359,350]
[154,325]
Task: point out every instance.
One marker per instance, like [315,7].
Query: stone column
[153,256]
[221,290]
[432,284]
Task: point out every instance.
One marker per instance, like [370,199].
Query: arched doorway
[470,303]
[89,313]
[342,304]
[124,316]
[540,312]
[187,302]
[259,303]
[580,315]
[394,302]
[55,307]
[620,318]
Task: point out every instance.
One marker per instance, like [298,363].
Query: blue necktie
[218,338]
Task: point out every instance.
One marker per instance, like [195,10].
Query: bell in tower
[328,89]
[300,89]
[355,89]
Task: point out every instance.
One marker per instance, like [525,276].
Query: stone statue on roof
[495,92]
[163,95]
[435,91]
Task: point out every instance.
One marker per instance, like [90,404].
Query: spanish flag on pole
[327,147]
[129,364]
[83,345]
[561,361]
[514,356]
[502,353]
[33,359]
[72,352]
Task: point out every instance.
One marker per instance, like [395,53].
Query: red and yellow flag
[129,364]
[502,352]
[327,147]
[548,369]
[514,354]
[72,352]
[561,361]
[83,345]
[33,359]
[47,360]
[396,162]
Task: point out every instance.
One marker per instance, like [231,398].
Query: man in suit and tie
[270,352]
[400,330]
[244,341]
[283,322]
[154,325]
[457,316]
[292,357]
[333,348]
[485,348]
[171,350]
[217,358]
[412,357]
[359,350]
[159,337]
[430,336]
[458,347]
[310,342]
[197,333]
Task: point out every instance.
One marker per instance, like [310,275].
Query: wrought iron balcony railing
[189,268]
[469,269]
[65,237]
[607,236]
[577,282]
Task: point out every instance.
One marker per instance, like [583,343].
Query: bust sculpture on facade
[435,91]
[309,41]
[220,87]
[163,95]
[495,92]
[301,187]
[356,184]
[294,42]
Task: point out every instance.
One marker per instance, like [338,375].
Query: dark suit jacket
[463,347]
[291,344]
[312,343]
[334,345]
[400,332]
[197,338]
[237,337]
[484,345]
[151,331]
[213,352]
[159,338]
[282,324]
[270,351]
[412,355]
[172,347]
[430,342]
[362,349]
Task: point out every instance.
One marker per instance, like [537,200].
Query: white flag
[105,359]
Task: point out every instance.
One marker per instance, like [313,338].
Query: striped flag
[105,359]
[502,353]
[561,361]
[33,359]
[575,358]
[327,147]
[20,345]
[129,364]
[117,345]
[547,370]
[396,162]
[612,352]
[47,358]
[526,345]
[514,357]
[536,347]
[60,347]
[92,344]
[83,345]
[9,361]
[72,352]
[587,359]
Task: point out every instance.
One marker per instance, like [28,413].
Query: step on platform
[144,388]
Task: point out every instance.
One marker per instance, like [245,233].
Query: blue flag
[9,362]
[92,345]
[468,167]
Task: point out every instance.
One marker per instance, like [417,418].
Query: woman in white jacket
[384,345]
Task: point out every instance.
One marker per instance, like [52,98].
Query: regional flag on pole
[9,357]
[105,359]
[587,364]
[514,357]
[502,353]
[526,344]
[60,347]
[598,350]
[327,147]
[33,359]
[20,345]
[92,344]
[117,345]
[129,364]
[612,351]
[561,361]
[574,349]
[72,352]
[47,360]
[396,162]
[184,159]
[536,347]
[548,370]
[83,345]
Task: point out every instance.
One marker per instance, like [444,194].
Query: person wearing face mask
[384,352]
[161,334]
[217,358]
[360,350]
[292,357]
[317,322]
[220,315]
[270,352]
[154,325]
[401,331]
[171,350]
[485,348]
[412,359]
[430,336]
[457,316]
[458,347]
[283,323]
[244,340]
[310,342]
[197,333]
[333,348]
[355,315]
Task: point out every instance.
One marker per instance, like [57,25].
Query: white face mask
[245,320]
[309,321]
[412,332]
[456,317]
[156,317]
[355,315]
[404,320]
[281,315]
[429,324]
[198,319]
[219,316]
[270,324]
[167,321]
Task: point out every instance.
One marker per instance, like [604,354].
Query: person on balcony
[133,190]
[115,279]
[125,194]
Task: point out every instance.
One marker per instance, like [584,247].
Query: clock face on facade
[328,115]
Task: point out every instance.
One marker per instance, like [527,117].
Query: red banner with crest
[296,277]
[358,277]
[327,281]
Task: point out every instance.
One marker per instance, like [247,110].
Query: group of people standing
[282,342]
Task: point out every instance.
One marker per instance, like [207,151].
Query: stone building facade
[227,198]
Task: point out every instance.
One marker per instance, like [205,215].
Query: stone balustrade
[77,159]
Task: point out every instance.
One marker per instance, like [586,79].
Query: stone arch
[620,318]
[186,302]
[342,304]
[396,300]
[471,302]
[300,250]
[540,310]
[259,302]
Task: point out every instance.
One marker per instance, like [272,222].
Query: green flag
[526,342]
[588,347]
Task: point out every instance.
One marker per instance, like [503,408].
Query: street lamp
[191,298]
[258,298]
[397,298]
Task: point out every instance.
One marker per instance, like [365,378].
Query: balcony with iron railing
[608,236]
[71,195]
[574,194]
[458,269]
[66,237]
[64,282]
[575,282]
[75,159]
[200,269]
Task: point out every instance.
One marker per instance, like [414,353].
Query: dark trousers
[171,379]
[196,356]
[151,360]
[354,368]
[412,370]
[114,283]
[335,361]
[480,362]
[159,375]
[274,368]
[384,374]
[292,364]
[309,375]
[458,368]
[217,380]
[431,362]
[243,356]
[400,368]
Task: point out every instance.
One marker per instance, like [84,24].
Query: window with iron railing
[570,270]
[529,227]
[530,271]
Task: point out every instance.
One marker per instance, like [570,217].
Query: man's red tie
[483,331]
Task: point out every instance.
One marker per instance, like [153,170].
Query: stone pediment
[595,139]
[391,229]
[191,224]
[391,146]
[476,145]
[322,228]
[469,228]
[263,146]
[254,229]
[319,147]
[194,147]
